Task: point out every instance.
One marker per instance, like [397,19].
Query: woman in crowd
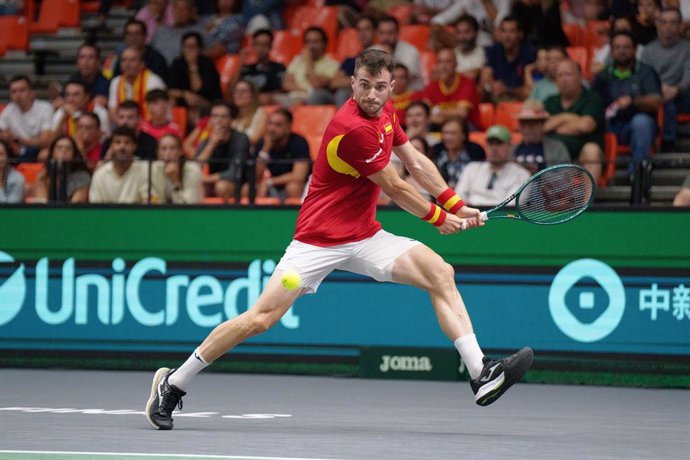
[252,118]
[154,14]
[66,178]
[194,80]
[175,179]
[11,181]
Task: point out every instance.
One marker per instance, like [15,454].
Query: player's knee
[261,322]
[443,276]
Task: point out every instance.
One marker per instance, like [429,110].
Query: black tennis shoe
[500,374]
[163,400]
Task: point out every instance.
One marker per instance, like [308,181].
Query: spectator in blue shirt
[631,93]
[503,77]
[283,159]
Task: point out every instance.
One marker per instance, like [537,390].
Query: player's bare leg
[169,386]
[423,268]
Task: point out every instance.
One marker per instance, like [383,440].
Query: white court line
[132,454]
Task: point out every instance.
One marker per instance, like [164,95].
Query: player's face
[371,91]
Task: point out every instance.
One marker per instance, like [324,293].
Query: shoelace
[170,399]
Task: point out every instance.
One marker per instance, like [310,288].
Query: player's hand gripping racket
[552,196]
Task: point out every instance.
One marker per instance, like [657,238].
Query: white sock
[186,372]
[471,354]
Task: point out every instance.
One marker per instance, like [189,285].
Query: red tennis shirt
[340,206]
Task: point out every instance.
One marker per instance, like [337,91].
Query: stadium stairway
[52,57]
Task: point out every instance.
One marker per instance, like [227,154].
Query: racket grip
[483,216]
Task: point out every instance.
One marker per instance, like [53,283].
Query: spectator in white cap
[536,151]
[487,183]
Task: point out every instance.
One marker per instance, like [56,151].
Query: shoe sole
[524,362]
[160,373]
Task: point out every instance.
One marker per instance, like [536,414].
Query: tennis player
[337,229]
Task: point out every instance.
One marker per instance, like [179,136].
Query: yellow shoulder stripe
[337,163]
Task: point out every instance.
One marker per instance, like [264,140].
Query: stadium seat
[428,61]
[55,14]
[312,119]
[293,201]
[30,171]
[575,34]
[286,45]
[486,114]
[478,137]
[612,149]
[179,116]
[506,114]
[596,34]
[402,12]
[580,54]
[314,141]
[348,44]
[415,34]
[15,33]
[227,67]
[325,17]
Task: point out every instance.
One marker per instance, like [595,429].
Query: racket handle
[483,216]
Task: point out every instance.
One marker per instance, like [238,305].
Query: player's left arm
[427,175]
[409,199]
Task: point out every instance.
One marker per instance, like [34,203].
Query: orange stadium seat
[179,116]
[15,33]
[348,44]
[415,34]
[314,141]
[506,114]
[286,45]
[580,54]
[55,14]
[428,61]
[575,34]
[478,137]
[486,114]
[596,34]
[403,12]
[312,119]
[30,171]
[227,67]
[325,17]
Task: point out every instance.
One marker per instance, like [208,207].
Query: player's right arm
[407,197]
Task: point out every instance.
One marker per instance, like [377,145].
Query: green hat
[498,132]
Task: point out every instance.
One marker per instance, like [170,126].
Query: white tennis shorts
[372,257]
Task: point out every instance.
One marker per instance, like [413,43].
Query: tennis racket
[552,196]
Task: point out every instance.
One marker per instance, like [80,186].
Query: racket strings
[556,196]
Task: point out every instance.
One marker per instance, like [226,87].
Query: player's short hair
[157,95]
[125,131]
[374,61]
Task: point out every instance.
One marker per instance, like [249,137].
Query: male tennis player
[337,229]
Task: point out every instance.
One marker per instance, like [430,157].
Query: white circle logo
[12,291]
[609,280]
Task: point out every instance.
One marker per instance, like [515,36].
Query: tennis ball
[291,280]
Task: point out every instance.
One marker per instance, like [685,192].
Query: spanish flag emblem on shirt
[388,128]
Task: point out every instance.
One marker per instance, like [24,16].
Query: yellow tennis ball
[291,280]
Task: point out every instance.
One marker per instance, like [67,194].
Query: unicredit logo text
[107,299]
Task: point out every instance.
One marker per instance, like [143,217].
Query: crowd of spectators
[109,136]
